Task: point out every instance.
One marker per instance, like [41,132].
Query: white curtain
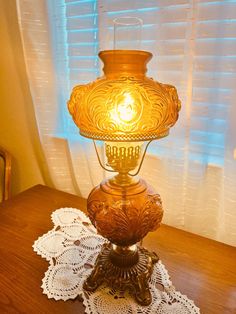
[194,48]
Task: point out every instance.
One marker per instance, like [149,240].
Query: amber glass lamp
[126,110]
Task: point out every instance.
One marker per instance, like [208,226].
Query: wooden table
[200,268]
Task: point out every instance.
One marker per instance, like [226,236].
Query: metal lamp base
[127,271]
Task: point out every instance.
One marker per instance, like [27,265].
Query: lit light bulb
[125,109]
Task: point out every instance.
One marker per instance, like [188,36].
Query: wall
[18,130]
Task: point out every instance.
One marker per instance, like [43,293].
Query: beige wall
[18,131]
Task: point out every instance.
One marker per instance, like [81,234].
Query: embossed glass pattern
[124,105]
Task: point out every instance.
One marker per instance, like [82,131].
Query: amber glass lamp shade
[124,108]
[124,105]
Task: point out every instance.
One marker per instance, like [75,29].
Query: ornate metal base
[114,271]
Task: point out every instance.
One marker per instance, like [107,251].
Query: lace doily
[71,248]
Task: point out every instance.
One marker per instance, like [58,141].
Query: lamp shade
[124,105]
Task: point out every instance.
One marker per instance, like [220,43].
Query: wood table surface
[202,269]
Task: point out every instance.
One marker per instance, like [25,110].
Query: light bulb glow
[125,111]
[126,108]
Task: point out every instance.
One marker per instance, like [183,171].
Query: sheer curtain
[194,48]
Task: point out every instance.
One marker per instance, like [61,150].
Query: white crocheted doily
[71,248]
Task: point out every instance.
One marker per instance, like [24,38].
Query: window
[194,48]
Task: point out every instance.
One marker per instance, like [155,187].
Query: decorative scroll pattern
[71,248]
[125,222]
[129,106]
[97,107]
